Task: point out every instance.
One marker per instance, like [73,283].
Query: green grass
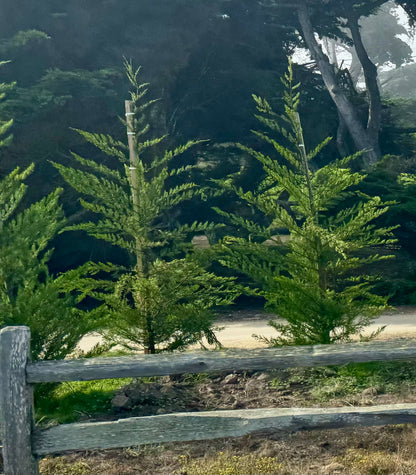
[333,382]
[69,401]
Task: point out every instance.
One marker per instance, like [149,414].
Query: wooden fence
[23,443]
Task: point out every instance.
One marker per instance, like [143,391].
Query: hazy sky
[302,55]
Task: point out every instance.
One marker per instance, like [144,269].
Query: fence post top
[15,330]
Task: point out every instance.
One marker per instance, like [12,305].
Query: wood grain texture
[212,425]
[218,361]
[17,402]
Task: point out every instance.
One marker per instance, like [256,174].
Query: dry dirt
[372,451]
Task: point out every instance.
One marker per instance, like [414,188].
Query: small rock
[263,377]
[252,387]
[167,391]
[369,392]
[237,405]
[206,389]
[230,379]
[268,452]
[120,401]
[333,467]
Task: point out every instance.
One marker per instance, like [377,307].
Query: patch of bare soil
[377,450]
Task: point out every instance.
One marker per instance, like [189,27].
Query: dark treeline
[204,60]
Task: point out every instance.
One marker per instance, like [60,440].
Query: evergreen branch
[12,191]
[100,168]
[171,154]
[313,153]
[105,143]
[141,146]
[178,194]
[280,149]
[40,223]
[250,226]
[5,126]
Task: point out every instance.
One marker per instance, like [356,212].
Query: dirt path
[238,327]
[237,333]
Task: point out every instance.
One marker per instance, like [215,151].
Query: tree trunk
[342,131]
[150,347]
[370,76]
[361,138]
[355,68]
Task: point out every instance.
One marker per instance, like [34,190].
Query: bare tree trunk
[370,76]
[362,140]
[150,345]
[342,131]
[355,68]
[331,50]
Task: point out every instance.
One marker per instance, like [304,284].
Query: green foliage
[174,299]
[68,401]
[5,137]
[22,38]
[407,179]
[56,89]
[162,302]
[318,291]
[28,294]
[332,382]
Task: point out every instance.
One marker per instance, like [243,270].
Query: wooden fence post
[16,398]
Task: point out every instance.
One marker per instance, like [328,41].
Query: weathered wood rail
[23,443]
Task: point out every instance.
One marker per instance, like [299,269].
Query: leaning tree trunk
[371,82]
[342,132]
[355,68]
[362,139]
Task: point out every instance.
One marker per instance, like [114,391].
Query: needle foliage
[319,288]
[164,300]
[29,295]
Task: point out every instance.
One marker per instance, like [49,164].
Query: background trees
[204,59]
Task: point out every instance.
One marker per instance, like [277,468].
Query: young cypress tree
[318,289]
[163,301]
[28,294]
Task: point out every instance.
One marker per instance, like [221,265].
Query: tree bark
[342,130]
[370,76]
[355,68]
[358,132]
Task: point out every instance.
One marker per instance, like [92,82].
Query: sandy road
[238,327]
[237,333]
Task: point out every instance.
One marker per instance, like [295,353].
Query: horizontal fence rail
[23,443]
[218,361]
[212,425]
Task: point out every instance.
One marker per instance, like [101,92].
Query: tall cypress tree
[163,300]
[319,289]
